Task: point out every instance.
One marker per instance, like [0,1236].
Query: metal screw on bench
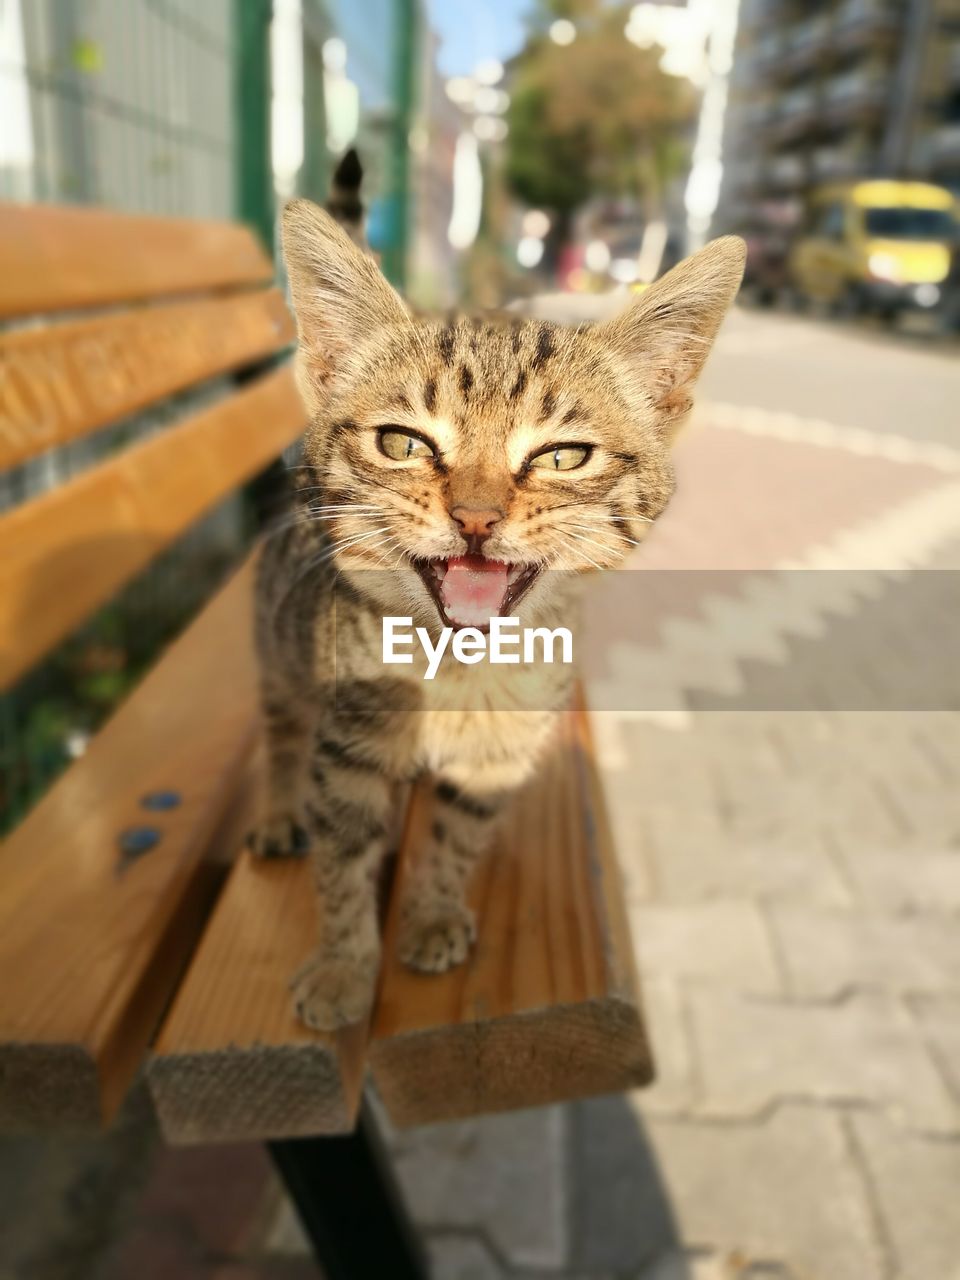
[135,842]
[161,801]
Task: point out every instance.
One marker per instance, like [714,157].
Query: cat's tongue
[473,589]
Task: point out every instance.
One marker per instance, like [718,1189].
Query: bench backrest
[173,302]
[103,315]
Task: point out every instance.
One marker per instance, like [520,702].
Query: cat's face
[464,460]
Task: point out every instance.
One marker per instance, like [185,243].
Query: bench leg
[350,1204]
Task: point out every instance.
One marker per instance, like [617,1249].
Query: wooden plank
[64,380]
[546,1008]
[232,1063]
[57,257]
[69,550]
[92,944]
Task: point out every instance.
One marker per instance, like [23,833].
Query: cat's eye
[401,445]
[561,457]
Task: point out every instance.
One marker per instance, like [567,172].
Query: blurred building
[836,90]
[434,263]
[406,133]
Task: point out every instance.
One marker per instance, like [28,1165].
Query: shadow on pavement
[622,1218]
[568,1192]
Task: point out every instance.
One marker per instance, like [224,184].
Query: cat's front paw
[434,940]
[331,991]
[279,835]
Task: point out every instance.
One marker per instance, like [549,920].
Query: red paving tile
[198,1214]
[746,502]
[211,1194]
[153,1252]
[202,1216]
[743,505]
[268,1269]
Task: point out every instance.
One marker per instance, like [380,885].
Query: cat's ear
[666,335]
[339,294]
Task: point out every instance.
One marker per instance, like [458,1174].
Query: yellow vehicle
[878,245]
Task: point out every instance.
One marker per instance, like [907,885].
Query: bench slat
[69,550]
[56,258]
[92,945]
[546,1008]
[64,380]
[232,1063]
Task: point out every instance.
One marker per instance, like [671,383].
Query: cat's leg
[349,809]
[288,721]
[436,925]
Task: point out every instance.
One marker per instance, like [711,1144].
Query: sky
[471,30]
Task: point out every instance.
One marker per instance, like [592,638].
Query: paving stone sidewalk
[794,886]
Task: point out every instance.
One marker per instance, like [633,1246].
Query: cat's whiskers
[305,515]
[610,533]
[310,518]
[622,519]
[287,591]
[318,561]
[342,511]
[378,557]
[286,522]
[410,509]
[590,502]
[311,508]
[381,559]
[362,550]
[345,543]
[336,506]
[603,546]
[568,538]
[281,526]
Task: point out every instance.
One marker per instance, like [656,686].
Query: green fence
[119,102]
[165,107]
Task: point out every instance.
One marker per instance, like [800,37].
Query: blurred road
[849,374]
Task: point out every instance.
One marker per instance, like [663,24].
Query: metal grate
[160,107]
[118,102]
[48,718]
[125,103]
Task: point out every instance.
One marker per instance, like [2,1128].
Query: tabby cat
[450,464]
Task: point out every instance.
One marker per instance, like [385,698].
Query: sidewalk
[794,885]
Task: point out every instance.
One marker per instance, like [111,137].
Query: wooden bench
[133,929]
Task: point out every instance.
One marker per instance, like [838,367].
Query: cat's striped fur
[487,393]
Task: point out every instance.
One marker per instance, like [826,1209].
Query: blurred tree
[596,116]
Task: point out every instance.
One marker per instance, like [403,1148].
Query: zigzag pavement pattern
[797,599]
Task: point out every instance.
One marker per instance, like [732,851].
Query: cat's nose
[476,525]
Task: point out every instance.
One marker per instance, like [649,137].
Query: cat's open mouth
[470,590]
